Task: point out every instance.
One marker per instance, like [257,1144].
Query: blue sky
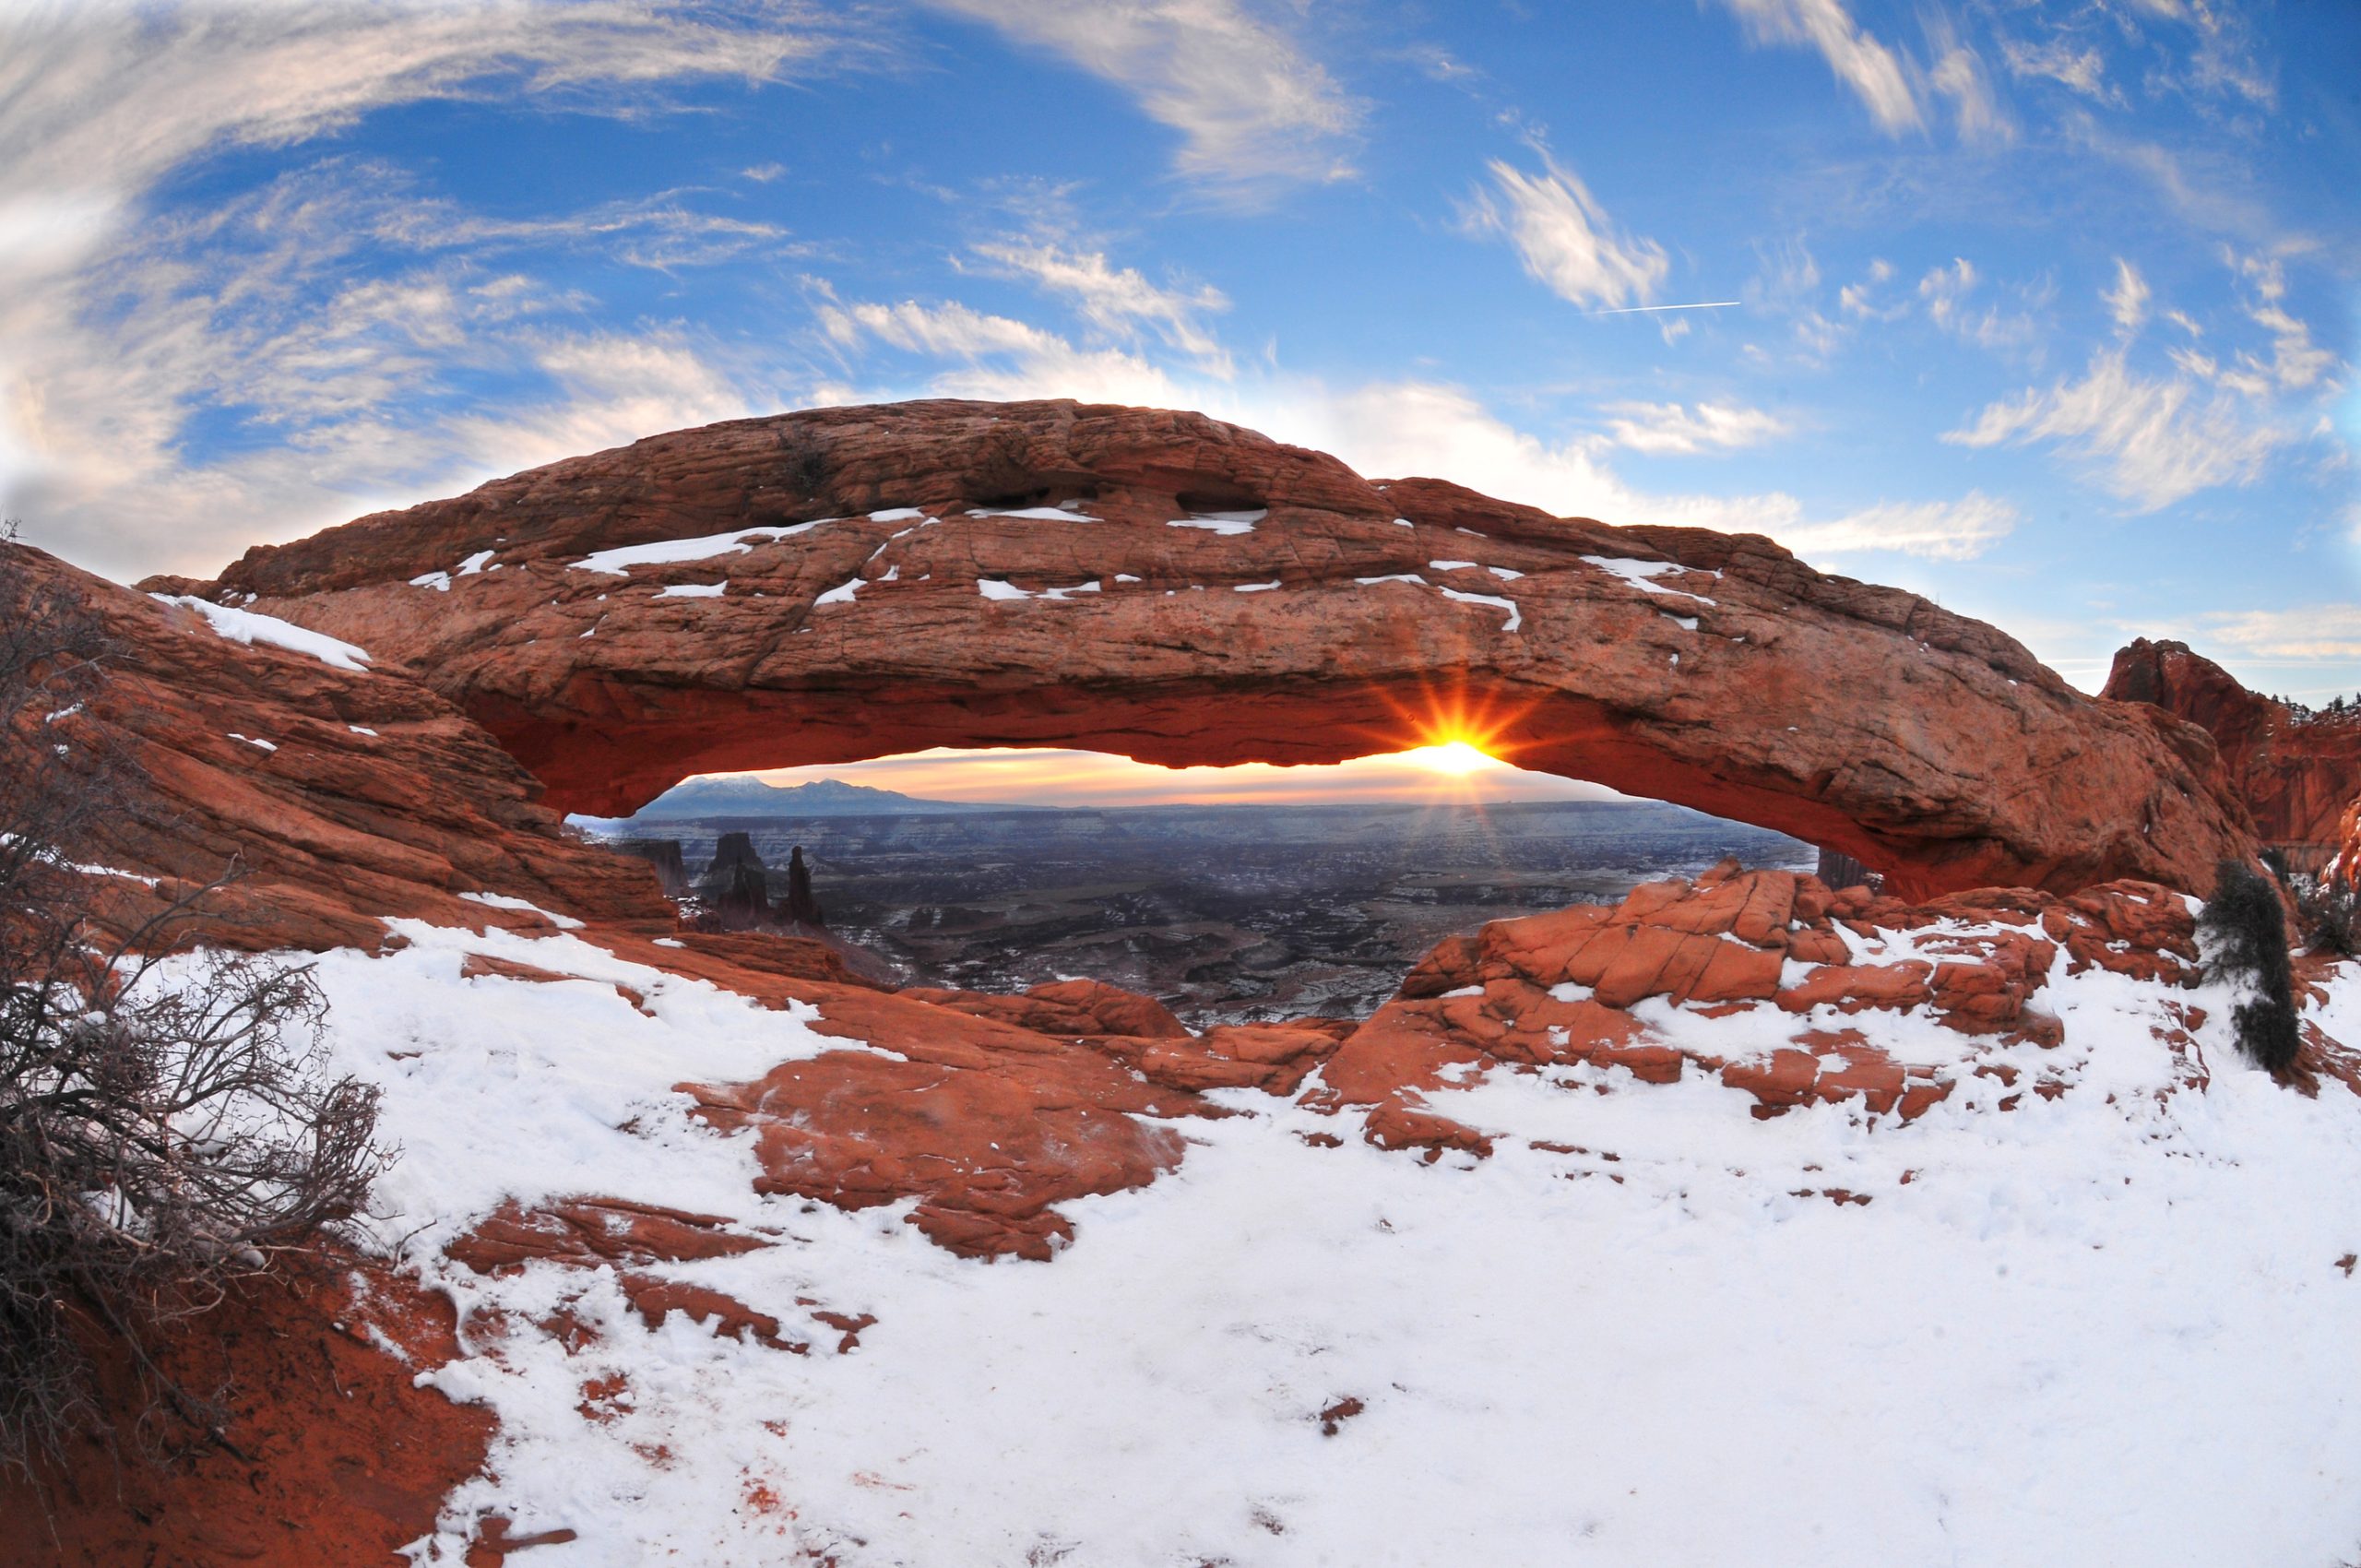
[2048,311]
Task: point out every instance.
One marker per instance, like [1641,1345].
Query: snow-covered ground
[2106,1329]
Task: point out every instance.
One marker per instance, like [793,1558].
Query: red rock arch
[883,579]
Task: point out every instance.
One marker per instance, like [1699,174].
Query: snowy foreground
[2105,1329]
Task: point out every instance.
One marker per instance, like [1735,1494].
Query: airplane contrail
[1636,310]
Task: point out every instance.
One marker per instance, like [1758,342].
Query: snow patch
[2103,1328]
[1221,522]
[619,562]
[1516,616]
[510,901]
[1639,572]
[247,627]
[1063,512]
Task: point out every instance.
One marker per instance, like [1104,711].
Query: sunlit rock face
[2297,774]
[841,584]
[333,793]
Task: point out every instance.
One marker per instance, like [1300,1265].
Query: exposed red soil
[331,1458]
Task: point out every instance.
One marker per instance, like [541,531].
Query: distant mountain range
[822,797]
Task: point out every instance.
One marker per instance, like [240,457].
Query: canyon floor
[1226,914]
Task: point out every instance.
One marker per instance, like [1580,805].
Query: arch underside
[613,747]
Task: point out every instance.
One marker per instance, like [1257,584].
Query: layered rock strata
[847,583]
[2295,771]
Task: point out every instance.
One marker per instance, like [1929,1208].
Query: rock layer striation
[840,584]
[2296,771]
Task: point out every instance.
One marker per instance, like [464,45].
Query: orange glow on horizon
[1445,748]
[1452,770]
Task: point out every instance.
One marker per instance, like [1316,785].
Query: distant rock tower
[802,908]
[664,854]
[1840,870]
[737,885]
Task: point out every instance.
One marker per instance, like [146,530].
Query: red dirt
[333,1458]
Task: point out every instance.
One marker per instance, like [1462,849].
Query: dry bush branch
[166,1122]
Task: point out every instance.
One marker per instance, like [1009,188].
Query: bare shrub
[164,1124]
[2244,928]
[2331,912]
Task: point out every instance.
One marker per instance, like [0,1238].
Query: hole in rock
[1241,894]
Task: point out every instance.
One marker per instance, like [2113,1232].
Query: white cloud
[1565,238]
[1251,109]
[2306,633]
[1119,300]
[1945,291]
[1394,429]
[1001,358]
[2152,441]
[1959,76]
[2080,70]
[2128,300]
[659,232]
[104,97]
[1672,428]
[2224,59]
[1936,531]
[1860,61]
[325,327]
[1397,430]
[2297,361]
[1860,299]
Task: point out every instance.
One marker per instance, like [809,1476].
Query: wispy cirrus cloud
[1874,72]
[1690,429]
[1117,300]
[2153,439]
[99,99]
[1958,74]
[2150,440]
[1952,297]
[1255,112]
[980,354]
[1934,530]
[663,231]
[1394,429]
[2128,300]
[1565,238]
[2081,69]
[2296,634]
[272,366]
[176,381]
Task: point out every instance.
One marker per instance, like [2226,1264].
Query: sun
[1451,757]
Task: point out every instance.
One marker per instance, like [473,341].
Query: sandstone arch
[886,578]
